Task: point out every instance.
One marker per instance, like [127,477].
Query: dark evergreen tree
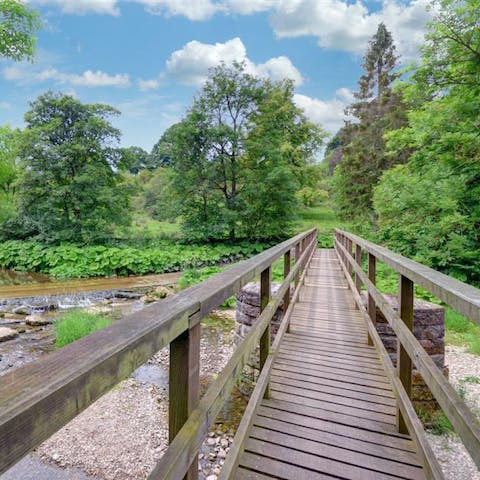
[377,109]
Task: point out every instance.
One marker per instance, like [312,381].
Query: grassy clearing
[461,331]
[76,324]
[324,218]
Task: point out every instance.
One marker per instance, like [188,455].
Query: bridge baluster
[372,308]
[184,384]
[265,292]
[287,263]
[404,363]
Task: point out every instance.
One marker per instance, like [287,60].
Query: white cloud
[81,7]
[190,64]
[5,106]
[327,113]
[192,9]
[22,74]
[348,26]
[145,85]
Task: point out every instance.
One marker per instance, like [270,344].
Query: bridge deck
[331,413]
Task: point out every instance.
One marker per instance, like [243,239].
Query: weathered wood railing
[38,399]
[460,296]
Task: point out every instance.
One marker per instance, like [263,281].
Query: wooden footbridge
[328,403]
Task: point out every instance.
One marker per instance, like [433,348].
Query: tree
[238,155]
[442,137]
[69,190]
[9,170]
[133,159]
[18,24]
[378,109]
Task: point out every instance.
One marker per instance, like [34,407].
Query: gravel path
[464,374]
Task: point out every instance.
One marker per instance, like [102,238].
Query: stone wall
[248,308]
[429,329]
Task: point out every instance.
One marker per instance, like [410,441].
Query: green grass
[324,218]
[76,324]
[461,331]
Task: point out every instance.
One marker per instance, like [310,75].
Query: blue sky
[149,57]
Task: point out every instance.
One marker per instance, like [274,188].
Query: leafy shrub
[73,261]
[76,324]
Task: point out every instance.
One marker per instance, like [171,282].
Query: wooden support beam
[287,264]
[371,307]
[404,363]
[265,292]
[184,384]
[358,259]
[297,258]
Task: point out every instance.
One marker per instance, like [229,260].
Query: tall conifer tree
[376,110]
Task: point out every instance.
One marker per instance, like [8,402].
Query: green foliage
[133,159]
[76,324]
[192,276]
[71,261]
[18,24]
[69,190]
[238,155]
[434,199]
[9,170]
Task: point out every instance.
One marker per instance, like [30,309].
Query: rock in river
[37,320]
[7,334]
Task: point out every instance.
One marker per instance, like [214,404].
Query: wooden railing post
[349,249]
[404,363]
[265,291]
[297,258]
[287,264]
[358,259]
[184,384]
[371,307]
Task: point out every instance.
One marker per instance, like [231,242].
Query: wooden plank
[335,359]
[342,418]
[334,407]
[315,463]
[244,474]
[356,348]
[327,389]
[330,338]
[347,401]
[364,440]
[327,382]
[332,353]
[339,454]
[335,375]
[327,364]
[279,469]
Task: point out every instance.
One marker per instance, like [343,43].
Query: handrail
[460,296]
[464,422]
[182,451]
[38,399]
